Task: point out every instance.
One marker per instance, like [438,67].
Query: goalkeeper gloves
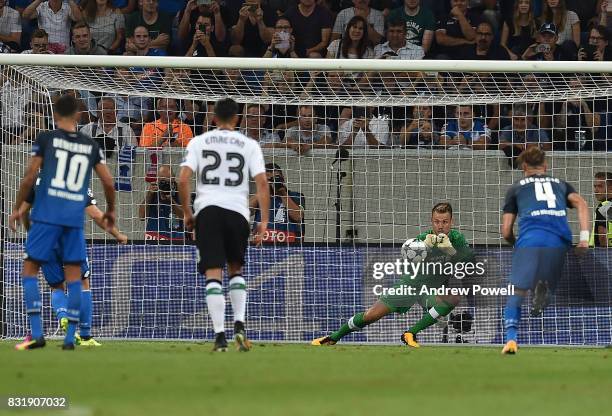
[445,245]
[431,240]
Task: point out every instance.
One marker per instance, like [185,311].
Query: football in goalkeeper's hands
[414,250]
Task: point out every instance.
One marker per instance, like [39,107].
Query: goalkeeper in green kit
[444,244]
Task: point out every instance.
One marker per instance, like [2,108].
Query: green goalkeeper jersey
[436,255]
[433,277]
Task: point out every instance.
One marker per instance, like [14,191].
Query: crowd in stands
[542,30]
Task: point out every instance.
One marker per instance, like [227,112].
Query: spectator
[106,23]
[597,47]
[359,132]
[485,48]
[574,122]
[161,209]
[465,132]
[253,124]
[375,19]
[39,43]
[307,134]
[140,44]
[587,11]
[250,35]
[283,41]
[457,31]
[188,22]
[159,24]
[518,30]
[110,134]
[205,42]
[192,115]
[167,130]
[602,226]
[419,23]
[353,45]
[520,135]
[566,21]
[422,130]
[312,24]
[354,42]
[10,26]
[55,17]
[396,45]
[286,224]
[546,47]
[135,109]
[82,43]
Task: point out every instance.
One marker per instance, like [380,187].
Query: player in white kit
[223,160]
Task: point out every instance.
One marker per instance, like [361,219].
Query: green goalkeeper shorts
[403,299]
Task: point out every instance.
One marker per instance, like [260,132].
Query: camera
[277,183]
[165,186]
[203,2]
[542,48]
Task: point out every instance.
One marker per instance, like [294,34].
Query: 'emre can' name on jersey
[220,158]
[68,158]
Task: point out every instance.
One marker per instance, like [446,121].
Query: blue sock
[86,309]
[512,316]
[31,294]
[74,310]
[59,303]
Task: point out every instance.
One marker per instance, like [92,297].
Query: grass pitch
[143,378]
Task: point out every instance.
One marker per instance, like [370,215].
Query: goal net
[364,147]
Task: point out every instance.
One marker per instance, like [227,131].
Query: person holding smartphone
[597,47]
[546,48]
[168,130]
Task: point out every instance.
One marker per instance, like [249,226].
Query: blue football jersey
[62,192]
[540,202]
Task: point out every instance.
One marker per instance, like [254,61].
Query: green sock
[354,324]
[431,316]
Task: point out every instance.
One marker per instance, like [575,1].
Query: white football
[414,250]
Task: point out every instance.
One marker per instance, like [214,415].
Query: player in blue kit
[540,202]
[53,271]
[65,158]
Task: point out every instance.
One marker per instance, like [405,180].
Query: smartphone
[542,48]
[590,51]
[202,28]
[253,8]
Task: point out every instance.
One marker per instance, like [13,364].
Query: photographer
[546,48]
[597,48]
[162,210]
[286,210]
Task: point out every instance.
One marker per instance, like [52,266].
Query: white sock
[238,296]
[215,301]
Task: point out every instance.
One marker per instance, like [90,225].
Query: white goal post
[361,200]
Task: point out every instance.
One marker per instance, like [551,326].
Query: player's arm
[24,214]
[263,199]
[98,217]
[24,188]
[184,188]
[108,217]
[580,204]
[508,227]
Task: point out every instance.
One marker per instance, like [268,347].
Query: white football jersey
[222,161]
